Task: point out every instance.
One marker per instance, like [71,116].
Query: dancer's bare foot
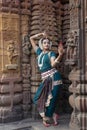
[46,124]
[55,118]
[48,121]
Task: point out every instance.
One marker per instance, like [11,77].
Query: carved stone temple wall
[14,60]
[19,75]
[10,79]
[76,58]
[43,17]
[54,18]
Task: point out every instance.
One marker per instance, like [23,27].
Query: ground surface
[31,124]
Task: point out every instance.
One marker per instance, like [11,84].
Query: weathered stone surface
[20,20]
[81,117]
[9,114]
[80,103]
[6,99]
[26,99]
[10,81]
[6,88]
[9,32]
[72,101]
[34,89]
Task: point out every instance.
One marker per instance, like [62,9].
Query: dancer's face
[46,44]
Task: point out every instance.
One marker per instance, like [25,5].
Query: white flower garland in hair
[40,44]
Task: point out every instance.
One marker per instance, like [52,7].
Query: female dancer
[47,93]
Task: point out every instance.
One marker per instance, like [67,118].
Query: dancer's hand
[45,34]
[60,49]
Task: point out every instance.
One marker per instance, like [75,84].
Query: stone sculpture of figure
[71,46]
[12,53]
[26,46]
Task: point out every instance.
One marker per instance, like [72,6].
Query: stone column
[86,56]
[82,99]
[78,99]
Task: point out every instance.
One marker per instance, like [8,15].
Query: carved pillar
[25,55]
[85,90]
[82,100]
[77,44]
[10,78]
[74,88]
[72,43]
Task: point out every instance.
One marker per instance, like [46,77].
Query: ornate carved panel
[9,47]
[72,47]
[78,98]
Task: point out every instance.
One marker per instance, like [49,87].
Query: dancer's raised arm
[32,39]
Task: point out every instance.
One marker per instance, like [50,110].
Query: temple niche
[71,47]
[19,75]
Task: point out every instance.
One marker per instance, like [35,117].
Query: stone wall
[76,58]
[10,79]
[19,75]
[14,60]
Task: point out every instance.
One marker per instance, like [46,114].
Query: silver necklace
[40,64]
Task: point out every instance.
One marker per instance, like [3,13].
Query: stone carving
[26,45]
[10,6]
[12,55]
[74,77]
[26,70]
[74,123]
[25,6]
[71,44]
[26,50]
